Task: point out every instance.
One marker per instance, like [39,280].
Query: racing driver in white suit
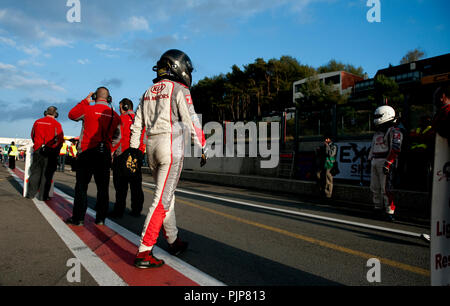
[165,111]
[386,145]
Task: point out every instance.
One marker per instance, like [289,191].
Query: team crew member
[47,136]
[122,177]
[62,157]
[72,155]
[100,132]
[12,152]
[163,107]
[386,145]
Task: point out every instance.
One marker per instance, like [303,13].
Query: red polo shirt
[47,131]
[100,124]
[127,119]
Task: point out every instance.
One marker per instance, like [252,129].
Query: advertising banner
[440,215]
[352,160]
[27,172]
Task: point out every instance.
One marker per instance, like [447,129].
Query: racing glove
[387,167]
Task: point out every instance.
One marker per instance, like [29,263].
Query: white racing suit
[166,109]
[383,154]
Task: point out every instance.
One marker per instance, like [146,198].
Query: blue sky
[45,60]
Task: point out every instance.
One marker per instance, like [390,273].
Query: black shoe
[116,215]
[177,247]
[389,217]
[135,214]
[72,221]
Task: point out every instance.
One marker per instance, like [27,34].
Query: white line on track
[100,271]
[177,264]
[184,268]
[358,224]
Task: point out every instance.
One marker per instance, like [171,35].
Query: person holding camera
[48,137]
[100,132]
[327,163]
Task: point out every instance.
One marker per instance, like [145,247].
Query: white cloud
[83,61]
[29,62]
[30,50]
[105,47]
[138,24]
[13,78]
[7,41]
[9,67]
[56,42]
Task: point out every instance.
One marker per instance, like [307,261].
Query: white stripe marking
[177,264]
[363,225]
[100,271]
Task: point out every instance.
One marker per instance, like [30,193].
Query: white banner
[352,159]
[440,215]
[27,172]
[28,160]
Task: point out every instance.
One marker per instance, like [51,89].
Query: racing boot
[389,217]
[146,260]
[177,247]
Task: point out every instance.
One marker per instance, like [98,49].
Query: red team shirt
[127,119]
[47,131]
[100,123]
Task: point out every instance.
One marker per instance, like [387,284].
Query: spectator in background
[72,155]
[62,157]
[12,153]
[5,154]
[327,161]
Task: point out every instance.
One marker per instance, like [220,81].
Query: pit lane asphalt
[252,246]
[32,254]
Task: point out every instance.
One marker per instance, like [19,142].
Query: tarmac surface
[32,252]
[39,249]
[237,237]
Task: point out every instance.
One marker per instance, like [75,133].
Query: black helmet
[174,65]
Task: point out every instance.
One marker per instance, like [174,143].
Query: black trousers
[12,162]
[41,175]
[121,180]
[92,163]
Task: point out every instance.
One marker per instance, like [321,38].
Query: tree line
[256,90]
[263,87]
